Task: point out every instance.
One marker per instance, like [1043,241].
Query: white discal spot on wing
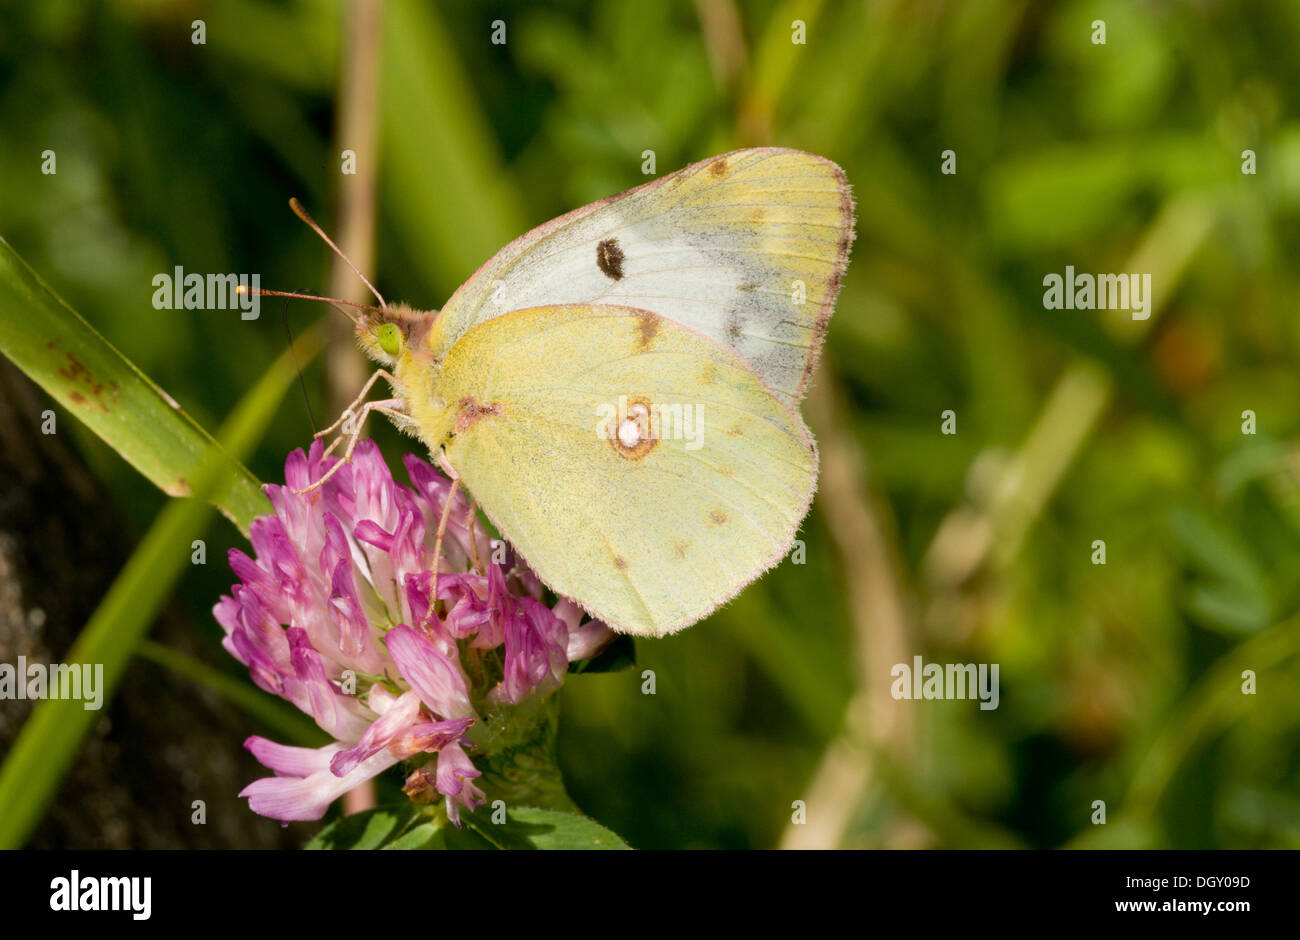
[634,436]
[629,433]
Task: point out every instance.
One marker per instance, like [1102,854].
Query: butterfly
[618,389]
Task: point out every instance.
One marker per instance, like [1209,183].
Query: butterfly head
[387,334]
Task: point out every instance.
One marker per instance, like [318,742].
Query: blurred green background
[1119,682]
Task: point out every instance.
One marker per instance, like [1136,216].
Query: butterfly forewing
[748,248]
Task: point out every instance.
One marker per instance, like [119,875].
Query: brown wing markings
[647,327]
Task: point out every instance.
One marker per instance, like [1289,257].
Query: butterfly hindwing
[747,248]
[650,525]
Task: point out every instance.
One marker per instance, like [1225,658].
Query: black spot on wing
[609,258]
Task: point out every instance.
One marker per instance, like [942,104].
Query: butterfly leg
[394,408]
[445,466]
[473,536]
[350,409]
[389,406]
[437,544]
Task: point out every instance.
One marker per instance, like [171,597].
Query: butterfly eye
[389,338]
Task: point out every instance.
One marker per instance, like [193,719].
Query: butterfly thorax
[432,419]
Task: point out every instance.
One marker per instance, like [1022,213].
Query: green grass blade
[48,742]
[280,718]
[65,355]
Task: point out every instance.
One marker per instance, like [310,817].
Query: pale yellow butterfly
[617,389]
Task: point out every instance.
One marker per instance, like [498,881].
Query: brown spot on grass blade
[74,370]
[85,390]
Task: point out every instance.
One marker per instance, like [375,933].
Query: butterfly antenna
[332,301]
[302,213]
[301,381]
